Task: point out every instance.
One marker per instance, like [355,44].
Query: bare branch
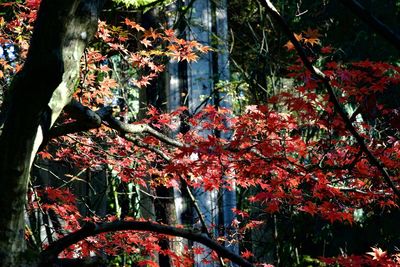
[141,128]
[88,119]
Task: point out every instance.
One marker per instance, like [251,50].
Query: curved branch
[141,128]
[325,80]
[91,229]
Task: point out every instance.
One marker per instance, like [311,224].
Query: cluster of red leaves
[324,175]
[300,157]
[60,202]
[376,258]
[148,62]
[16,31]
[63,203]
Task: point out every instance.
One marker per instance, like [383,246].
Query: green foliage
[135,3]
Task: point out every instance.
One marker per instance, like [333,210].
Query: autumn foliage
[294,152]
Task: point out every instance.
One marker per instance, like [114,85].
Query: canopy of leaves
[290,155]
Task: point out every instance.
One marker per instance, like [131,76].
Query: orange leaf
[311,36]
[289,46]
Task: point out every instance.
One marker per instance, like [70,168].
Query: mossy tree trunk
[38,94]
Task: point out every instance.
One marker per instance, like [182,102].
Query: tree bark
[37,96]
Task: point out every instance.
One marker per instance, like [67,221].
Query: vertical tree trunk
[222,99]
[191,83]
[37,96]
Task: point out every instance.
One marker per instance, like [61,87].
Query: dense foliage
[292,156]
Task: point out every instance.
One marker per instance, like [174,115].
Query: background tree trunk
[195,85]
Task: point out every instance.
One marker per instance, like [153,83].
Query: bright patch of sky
[7,50]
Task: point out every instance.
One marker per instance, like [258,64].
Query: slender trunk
[37,96]
[165,213]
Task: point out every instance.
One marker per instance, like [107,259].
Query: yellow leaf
[298,37]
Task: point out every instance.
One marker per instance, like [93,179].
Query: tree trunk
[196,84]
[37,96]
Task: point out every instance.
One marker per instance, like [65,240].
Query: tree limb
[88,119]
[326,82]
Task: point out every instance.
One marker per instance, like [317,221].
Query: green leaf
[135,3]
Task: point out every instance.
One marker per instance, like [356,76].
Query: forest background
[307,146]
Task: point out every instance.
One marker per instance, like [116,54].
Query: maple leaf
[377,254]
[152,111]
[107,83]
[247,254]
[53,194]
[298,37]
[142,82]
[289,46]
[198,250]
[333,216]
[33,4]
[147,263]
[134,25]
[310,208]
[253,224]
[189,57]
[151,33]
[173,47]
[312,41]
[326,50]
[241,213]
[204,49]
[45,155]
[146,42]
[362,167]
[169,32]
[311,36]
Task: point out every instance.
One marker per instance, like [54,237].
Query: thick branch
[325,80]
[141,128]
[88,119]
[91,229]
